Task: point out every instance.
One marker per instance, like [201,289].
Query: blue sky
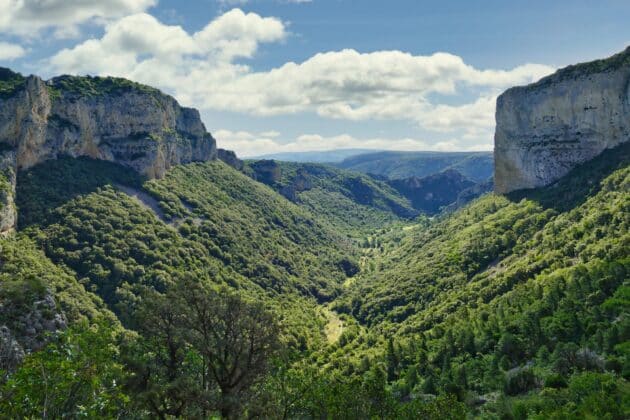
[290,75]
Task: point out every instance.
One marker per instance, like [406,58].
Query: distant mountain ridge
[345,198]
[478,166]
[324,156]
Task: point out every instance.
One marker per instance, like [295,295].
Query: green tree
[235,337]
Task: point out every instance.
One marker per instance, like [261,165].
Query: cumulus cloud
[206,69]
[10,51]
[140,47]
[247,144]
[380,85]
[28,17]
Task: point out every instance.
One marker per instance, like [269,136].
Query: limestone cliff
[547,128]
[103,118]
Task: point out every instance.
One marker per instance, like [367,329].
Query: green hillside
[522,296]
[510,307]
[208,220]
[350,202]
[27,278]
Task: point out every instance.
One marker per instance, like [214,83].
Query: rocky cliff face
[547,128]
[8,212]
[103,118]
[433,192]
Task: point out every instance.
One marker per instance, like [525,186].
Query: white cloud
[247,144]
[10,51]
[271,134]
[381,85]
[205,69]
[142,48]
[28,17]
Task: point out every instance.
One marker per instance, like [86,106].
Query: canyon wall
[103,118]
[547,128]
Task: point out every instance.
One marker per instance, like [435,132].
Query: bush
[520,380]
[555,380]
[587,359]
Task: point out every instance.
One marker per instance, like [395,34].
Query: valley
[146,274]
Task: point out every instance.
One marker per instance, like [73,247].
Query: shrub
[520,380]
[555,380]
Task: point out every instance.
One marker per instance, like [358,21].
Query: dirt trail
[145,200]
[151,204]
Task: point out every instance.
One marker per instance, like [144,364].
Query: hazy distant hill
[477,166]
[326,156]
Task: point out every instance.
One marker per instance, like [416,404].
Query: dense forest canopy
[209,292]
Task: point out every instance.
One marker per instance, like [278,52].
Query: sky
[274,76]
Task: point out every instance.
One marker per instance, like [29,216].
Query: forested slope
[513,295]
[212,222]
[512,306]
[350,202]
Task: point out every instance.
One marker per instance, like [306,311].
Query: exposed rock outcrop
[431,193]
[266,171]
[26,329]
[230,158]
[547,128]
[8,212]
[104,118]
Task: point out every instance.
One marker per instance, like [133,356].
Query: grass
[334,326]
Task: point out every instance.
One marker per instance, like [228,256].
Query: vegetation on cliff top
[574,71]
[10,82]
[91,86]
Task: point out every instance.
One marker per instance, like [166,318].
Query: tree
[164,368]
[235,337]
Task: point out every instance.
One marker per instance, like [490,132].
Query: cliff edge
[101,117]
[547,128]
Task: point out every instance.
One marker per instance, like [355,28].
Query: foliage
[217,223]
[10,82]
[350,202]
[511,307]
[90,86]
[201,350]
[253,230]
[76,375]
[504,293]
[26,276]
